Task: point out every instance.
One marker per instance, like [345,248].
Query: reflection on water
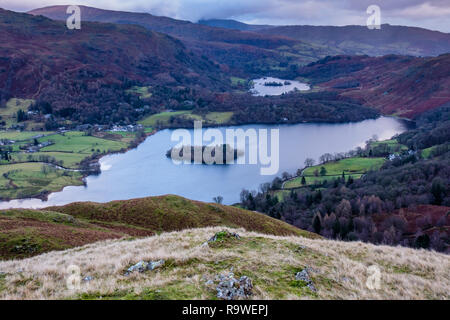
[146,171]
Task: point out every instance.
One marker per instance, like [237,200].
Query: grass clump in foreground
[191,269]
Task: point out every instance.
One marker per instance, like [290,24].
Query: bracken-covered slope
[337,270]
[242,51]
[399,85]
[26,232]
[179,28]
[41,57]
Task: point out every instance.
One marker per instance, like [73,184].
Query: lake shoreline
[95,160]
[83,195]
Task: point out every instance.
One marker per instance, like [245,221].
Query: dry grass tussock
[339,269]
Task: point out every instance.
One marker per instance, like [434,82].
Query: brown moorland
[27,232]
[395,85]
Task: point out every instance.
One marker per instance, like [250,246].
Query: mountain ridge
[355,39]
[28,232]
[395,85]
[235,49]
[39,57]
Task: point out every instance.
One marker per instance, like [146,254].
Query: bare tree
[309,162]
[327,157]
[218,199]
[286,175]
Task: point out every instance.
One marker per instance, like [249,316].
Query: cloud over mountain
[432,14]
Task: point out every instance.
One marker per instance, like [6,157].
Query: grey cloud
[433,14]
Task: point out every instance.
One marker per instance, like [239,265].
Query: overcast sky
[432,14]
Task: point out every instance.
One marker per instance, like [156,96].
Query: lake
[261,89]
[146,171]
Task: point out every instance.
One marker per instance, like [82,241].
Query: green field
[22,135]
[30,179]
[69,160]
[281,194]
[143,92]
[78,142]
[426,153]
[163,118]
[392,146]
[9,113]
[219,117]
[23,176]
[354,167]
[235,81]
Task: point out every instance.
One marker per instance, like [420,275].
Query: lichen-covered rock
[222,235]
[152,265]
[141,266]
[229,288]
[305,277]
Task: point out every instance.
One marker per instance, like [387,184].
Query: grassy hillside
[30,171]
[163,118]
[354,167]
[8,114]
[167,118]
[338,270]
[26,232]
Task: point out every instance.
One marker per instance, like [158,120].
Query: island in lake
[218,154]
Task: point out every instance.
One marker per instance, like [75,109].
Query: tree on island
[303,180]
[323,171]
[273,84]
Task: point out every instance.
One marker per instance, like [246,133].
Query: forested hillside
[85,75]
[406,201]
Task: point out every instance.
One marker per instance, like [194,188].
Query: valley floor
[43,162]
[339,270]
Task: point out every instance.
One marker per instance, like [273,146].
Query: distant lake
[260,87]
[146,171]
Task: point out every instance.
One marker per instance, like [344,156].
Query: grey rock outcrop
[305,277]
[230,288]
[142,266]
